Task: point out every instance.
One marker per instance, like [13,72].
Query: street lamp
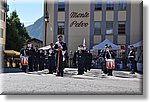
[46,19]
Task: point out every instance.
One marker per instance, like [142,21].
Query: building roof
[34,39]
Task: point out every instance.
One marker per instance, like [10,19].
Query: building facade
[95,20]
[3,10]
[35,42]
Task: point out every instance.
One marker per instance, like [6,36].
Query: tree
[16,34]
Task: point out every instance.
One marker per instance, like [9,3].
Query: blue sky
[28,10]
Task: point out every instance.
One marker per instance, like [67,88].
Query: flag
[84,42]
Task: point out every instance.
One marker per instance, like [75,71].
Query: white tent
[102,45]
[138,44]
[45,47]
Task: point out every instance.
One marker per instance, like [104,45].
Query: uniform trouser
[109,71]
[36,65]
[80,70]
[30,64]
[51,64]
[24,67]
[132,66]
[45,63]
[80,67]
[41,65]
[88,64]
[70,62]
[104,69]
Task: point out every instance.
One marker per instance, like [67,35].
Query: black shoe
[132,72]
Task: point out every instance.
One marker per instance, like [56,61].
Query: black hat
[106,46]
[131,46]
[110,46]
[60,36]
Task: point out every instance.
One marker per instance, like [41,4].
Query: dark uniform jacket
[110,54]
[64,48]
[51,52]
[131,55]
[24,52]
[36,54]
[63,44]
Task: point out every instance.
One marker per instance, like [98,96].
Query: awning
[138,44]
[45,48]
[102,45]
[12,53]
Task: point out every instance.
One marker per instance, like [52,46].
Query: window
[1,33]
[2,4]
[97,28]
[61,5]
[61,27]
[2,16]
[109,27]
[98,5]
[122,5]
[121,28]
[110,5]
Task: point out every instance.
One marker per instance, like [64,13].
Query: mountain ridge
[36,30]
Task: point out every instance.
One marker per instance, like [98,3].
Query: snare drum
[110,63]
[24,60]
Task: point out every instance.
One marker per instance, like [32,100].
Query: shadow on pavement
[11,70]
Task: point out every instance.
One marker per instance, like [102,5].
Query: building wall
[136,22]
[50,24]
[132,16]
[77,34]
[3,26]
[36,43]
[3,38]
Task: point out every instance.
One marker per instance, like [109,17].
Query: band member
[41,58]
[36,58]
[45,59]
[80,60]
[31,58]
[61,49]
[110,55]
[102,54]
[131,57]
[24,52]
[51,58]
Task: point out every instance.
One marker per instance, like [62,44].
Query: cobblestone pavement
[92,82]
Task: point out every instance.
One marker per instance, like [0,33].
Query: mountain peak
[36,30]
